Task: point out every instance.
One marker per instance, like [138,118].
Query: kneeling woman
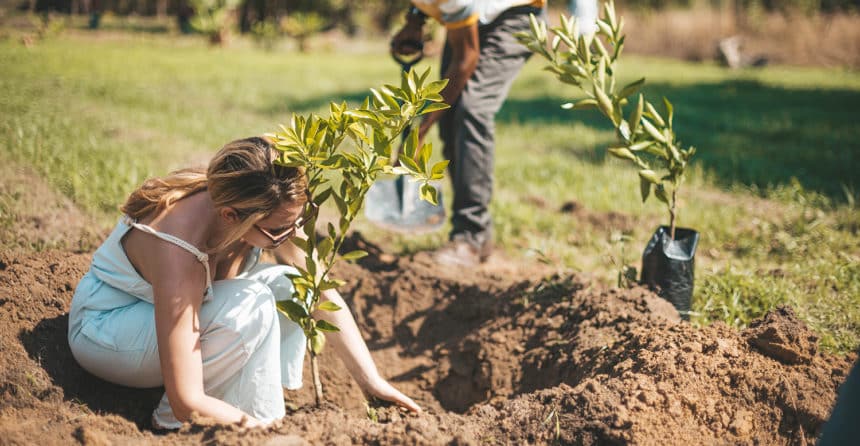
[175,296]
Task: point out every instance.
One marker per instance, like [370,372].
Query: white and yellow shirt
[459,13]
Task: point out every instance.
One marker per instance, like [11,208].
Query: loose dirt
[504,354]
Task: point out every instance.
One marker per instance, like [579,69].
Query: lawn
[773,190]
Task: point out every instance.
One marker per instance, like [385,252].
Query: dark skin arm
[465,49]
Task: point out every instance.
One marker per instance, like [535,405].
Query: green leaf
[325,247]
[660,193]
[354,255]
[640,146]
[603,101]
[622,153]
[410,163]
[311,266]
[602,50]
[604,28]
[327,326]
[377,97]
[533,24]
[321,197]
[690,152]
[411,143]
[636,115]
[328,306]
[609,9]
[601,72]
[410,82]
[428,194]
[676,155]
[624,131]
[438,170]
[653,130]
[424,155]
[340,204]
[567,41]
[331,284]
[644,188]
[317,341]
[649,175]
[433,106]
[670,111]
[436,87]
[336,161]
[388,97]
[363,115]
[293,310]
[652,112]
[584,104]
[631,88]
[299,243]
[423,77]
[302,281]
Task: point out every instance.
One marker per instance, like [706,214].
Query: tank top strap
[202,257]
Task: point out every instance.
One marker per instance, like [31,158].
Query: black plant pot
[667,266]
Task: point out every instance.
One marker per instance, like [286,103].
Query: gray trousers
[467,128]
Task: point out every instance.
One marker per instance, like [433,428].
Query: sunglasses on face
[280,235]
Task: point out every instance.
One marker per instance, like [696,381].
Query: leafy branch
[342,155]
[589,62]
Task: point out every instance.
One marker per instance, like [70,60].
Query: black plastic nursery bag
[667,266]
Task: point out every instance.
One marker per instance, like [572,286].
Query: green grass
[772,191]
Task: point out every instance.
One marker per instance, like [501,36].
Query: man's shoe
[461,253]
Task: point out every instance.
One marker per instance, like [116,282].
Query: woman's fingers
[385,391]
[404,401]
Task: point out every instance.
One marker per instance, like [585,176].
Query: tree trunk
[672,216]
[315,373]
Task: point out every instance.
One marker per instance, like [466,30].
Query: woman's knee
[246,306]
[275,277]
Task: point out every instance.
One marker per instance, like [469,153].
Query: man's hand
[408,40]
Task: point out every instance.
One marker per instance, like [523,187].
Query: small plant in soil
[626,275]
[342,155]
[645,136]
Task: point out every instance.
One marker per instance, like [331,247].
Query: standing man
[481,60]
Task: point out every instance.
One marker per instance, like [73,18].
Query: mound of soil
[495,355]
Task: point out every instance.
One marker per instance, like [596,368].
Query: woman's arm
[348,343]
[350,347]
[178,284]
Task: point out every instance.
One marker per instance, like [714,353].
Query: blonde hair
[241,176]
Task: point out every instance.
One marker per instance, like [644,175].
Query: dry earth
[509,354]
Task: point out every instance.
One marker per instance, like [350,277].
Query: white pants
[250,351]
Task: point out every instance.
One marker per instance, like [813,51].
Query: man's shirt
[461,13]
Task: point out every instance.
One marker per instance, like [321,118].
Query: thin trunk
[672,215]
[315,373]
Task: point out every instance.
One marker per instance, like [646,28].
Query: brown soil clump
[781,336]
[510,356]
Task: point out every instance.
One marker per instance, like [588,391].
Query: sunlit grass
[772,191]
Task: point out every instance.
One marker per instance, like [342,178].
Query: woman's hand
[352,350]
[381,389]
